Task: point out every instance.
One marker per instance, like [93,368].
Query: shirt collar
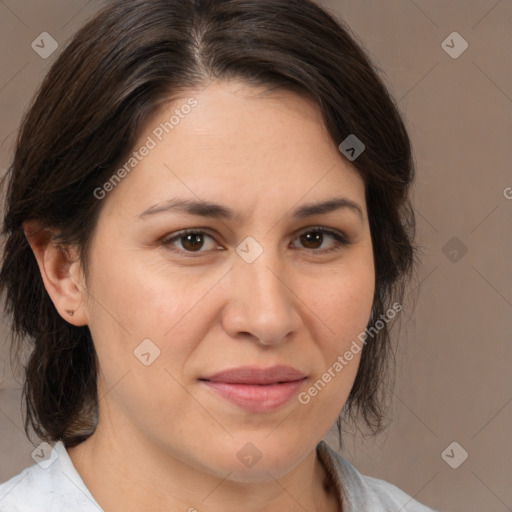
[352,488]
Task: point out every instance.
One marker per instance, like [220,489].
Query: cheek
[344,301]
[134,299]
[345,304]
[137,295]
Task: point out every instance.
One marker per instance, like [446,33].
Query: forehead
[238,145]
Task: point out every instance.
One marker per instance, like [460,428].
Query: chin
[256,461]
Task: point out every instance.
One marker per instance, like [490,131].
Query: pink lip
[254,389]
[254,375]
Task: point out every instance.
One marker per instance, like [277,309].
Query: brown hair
[132,56]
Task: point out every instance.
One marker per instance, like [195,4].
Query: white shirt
[59,487]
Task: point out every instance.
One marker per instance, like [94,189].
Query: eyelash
[340,240]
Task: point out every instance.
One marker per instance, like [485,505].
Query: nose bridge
[263,304]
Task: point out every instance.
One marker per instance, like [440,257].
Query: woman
[208,231]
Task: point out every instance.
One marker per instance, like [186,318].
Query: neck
[147,477]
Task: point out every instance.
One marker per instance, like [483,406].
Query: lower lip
[257,398]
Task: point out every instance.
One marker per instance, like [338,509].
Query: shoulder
[50,486]
[361,492]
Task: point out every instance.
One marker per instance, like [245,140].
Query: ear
[61,273]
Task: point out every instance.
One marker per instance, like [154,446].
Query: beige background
[454,367]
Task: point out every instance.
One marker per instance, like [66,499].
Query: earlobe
[61,273]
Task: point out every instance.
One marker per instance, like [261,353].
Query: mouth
[255,389]
[253,375]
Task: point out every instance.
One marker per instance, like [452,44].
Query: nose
[262,304]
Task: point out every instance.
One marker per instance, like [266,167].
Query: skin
[262,155]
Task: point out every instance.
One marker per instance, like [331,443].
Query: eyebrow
[217,211]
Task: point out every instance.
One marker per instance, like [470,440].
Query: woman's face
[261,288]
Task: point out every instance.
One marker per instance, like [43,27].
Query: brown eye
[313,239]
[191,241]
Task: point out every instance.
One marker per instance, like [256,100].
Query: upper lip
[254,375]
